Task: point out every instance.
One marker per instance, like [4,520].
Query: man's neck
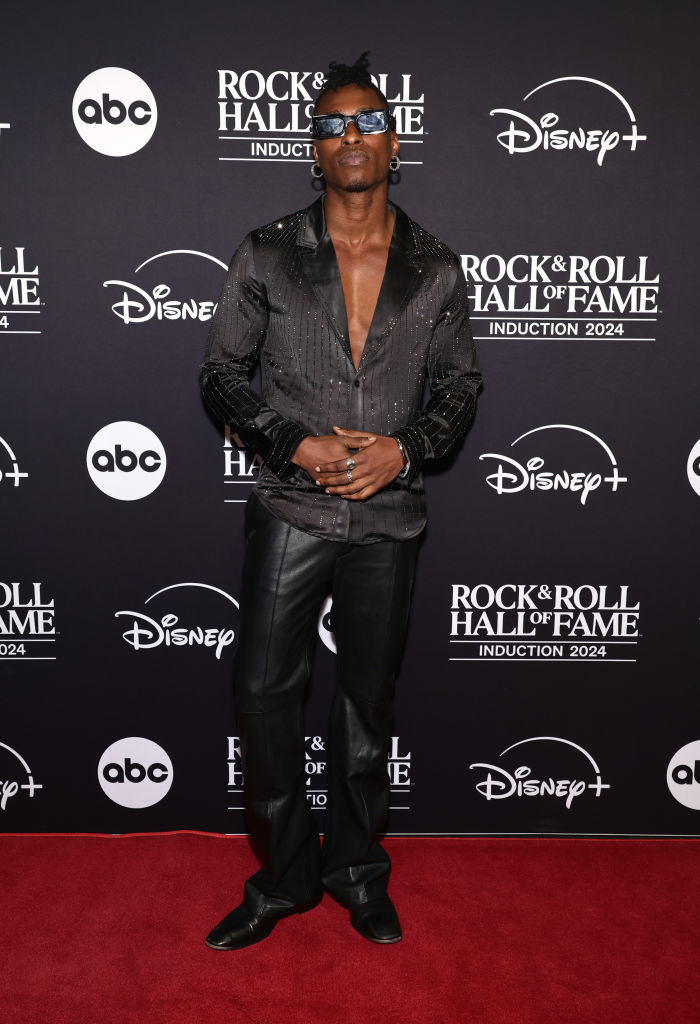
[356,218]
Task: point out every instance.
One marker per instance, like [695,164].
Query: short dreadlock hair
[339,75]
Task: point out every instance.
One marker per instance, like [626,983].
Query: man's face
[354,162]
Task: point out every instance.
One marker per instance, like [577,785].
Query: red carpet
[496,931]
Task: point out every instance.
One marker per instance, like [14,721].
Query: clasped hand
[377,460]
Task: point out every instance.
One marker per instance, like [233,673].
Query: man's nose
[351,134]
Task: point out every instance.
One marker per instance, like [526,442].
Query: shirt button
[357,383]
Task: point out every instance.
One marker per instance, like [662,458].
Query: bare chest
[361,274]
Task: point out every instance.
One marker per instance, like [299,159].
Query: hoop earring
[316,171]
[394,163]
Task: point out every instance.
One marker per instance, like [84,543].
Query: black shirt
[282,305]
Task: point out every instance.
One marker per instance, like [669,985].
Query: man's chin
[361,183]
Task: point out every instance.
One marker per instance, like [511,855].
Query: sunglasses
[367,122]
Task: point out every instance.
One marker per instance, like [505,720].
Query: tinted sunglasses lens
[371,122]
[328,127]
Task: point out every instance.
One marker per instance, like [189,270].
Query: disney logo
[512,476]
[142,307]
[138,305]
[500,783]
[524,134]
[147,633]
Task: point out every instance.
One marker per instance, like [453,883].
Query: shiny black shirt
[282,306]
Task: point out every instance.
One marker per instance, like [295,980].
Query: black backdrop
[550,682]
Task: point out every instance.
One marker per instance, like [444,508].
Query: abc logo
[325,627]
[683,775]
[126,460]
[135,772]
[694,467]
[114,111]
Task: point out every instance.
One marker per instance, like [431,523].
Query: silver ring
[349,476]
[350,462]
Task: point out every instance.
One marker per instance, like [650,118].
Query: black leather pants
[286,576]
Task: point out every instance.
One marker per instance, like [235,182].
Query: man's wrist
[406,461]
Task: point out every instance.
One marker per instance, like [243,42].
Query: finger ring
[350,462]
[349,476]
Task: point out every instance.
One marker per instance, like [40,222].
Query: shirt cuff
[412,440]
[287,440]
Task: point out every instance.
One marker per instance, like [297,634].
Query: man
[348,306]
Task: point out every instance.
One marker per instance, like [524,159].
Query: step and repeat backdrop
[550,682]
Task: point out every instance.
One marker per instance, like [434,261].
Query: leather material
[282,829]
[253,921]
[286,576]
[377,921]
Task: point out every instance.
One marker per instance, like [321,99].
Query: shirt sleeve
[454,378]
[236,336]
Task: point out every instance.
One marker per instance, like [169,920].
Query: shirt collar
[312,228]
